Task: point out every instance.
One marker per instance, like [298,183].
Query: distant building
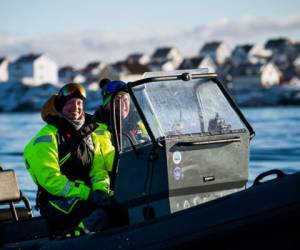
[34,69]
[199,62]
[161,66]
[92,71]
[296,62]
[249,53]
[224,72]
[295,50]
[250,76]
[127,71]
[283,51]
[3,69]
[279,45]
[288,74]
[140,58]
[168,58]
[219,51]
[79,77]
[66,74]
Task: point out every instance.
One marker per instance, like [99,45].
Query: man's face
[122,104]
[73,109]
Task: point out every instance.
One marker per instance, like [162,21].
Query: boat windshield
[186,107]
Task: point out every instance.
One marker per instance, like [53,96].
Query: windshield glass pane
[178,107]
[129,125]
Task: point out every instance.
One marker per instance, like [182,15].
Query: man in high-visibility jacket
[132,126]
[70,159]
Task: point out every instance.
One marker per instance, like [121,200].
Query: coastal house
[79,77]
[66,74]
[296,65]
[3,69]
[296,62]
[224,72]
[288,74]
[219,51]
[279,45]
[140,58]
[249,53]
[296,50]
[92,71]
[161,66]
[127,71]
[198,62]
[165,58]
[255,76]
[34,70]
[283,51]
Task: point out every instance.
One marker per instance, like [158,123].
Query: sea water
[276,144]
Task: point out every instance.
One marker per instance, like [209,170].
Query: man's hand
[99,198]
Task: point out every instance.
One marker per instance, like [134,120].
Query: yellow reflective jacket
[41,157]
[43,163]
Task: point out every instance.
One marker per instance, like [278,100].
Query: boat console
[194,147]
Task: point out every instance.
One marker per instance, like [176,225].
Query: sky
[75,32]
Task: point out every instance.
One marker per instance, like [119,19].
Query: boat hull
[264,215]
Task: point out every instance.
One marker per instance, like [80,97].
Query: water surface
[276,144]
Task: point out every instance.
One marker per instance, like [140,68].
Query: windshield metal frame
[185,77]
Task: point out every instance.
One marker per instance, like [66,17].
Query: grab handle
[197,143]
[259,179]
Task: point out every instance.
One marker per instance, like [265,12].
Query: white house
[249,53]
[140,58]
[161,66]
[250,76]
[199,62]
[92,71]
[279,45]
[79,77]
[127,71]
[34,69]
[219,51]
[3,69]
[296,51]
[296,62]
[283,51]
[164,55]
[66,74]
